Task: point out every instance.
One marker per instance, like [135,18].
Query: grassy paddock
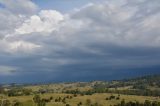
[100,98]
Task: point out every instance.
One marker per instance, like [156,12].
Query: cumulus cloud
[100,38]
[124,25]
[19,6]
[8,22]
[45,21]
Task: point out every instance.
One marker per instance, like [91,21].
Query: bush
[17,103]
[117,98]
[67,105]
[79,104]
[88,102]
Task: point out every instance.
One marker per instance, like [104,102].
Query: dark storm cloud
[96,42]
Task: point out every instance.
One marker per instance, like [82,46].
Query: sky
[78,40]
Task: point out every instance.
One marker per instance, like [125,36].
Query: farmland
[143,91]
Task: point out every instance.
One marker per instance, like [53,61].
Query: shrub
[88,102]
[67,105]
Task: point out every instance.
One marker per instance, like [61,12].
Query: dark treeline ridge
[137,86]
[136,103]
[126,92]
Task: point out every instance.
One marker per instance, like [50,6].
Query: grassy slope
[100,98]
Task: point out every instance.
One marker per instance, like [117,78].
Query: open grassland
[143,91]
[61,87]
[99,98]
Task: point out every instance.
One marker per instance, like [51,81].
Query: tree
[67,105]
[36,98]
[17,104]
[123,102]
[88,102]
[147,103]
[40,102]
[64,100]
[155,103]
[6,103]
[79,104]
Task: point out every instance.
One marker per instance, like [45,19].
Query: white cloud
[22,46]
[18,47]
[8,22]
[120,24]
[19,6]
[109,23]
[117,23]
[151,22]
[46,21]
